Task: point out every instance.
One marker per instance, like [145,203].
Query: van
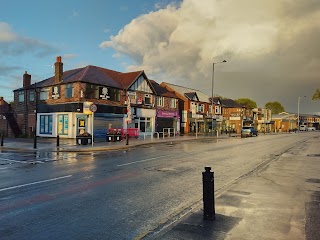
[303,128]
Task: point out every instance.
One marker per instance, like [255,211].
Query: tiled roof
[191,95]
[182,90]
[94,75]
[227,102]
[161,91]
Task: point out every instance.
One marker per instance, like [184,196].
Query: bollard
[208,194]
[127,139]
[58,140]
[2,139]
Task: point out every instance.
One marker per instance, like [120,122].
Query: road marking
[144,160]
[10,160]
[33,183]
[3,168]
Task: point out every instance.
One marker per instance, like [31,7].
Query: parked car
[248,131]
[303,128]
[311,128]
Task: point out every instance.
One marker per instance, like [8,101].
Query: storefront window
[145,124]
[45,124]
[63,124]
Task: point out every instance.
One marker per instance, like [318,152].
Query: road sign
[93,108]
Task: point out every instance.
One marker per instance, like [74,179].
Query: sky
[271,46]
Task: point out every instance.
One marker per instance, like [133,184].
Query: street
[127,194]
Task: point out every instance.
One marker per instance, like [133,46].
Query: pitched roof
[94,75]
[227,102]
[191,95]
[183,90]
[162,91]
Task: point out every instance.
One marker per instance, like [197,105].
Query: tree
[316,95]
[248,103]
[275,107]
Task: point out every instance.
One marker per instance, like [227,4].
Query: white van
[303,128]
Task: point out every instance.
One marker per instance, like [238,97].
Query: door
[82,124]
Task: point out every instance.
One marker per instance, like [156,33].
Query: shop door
[81,125]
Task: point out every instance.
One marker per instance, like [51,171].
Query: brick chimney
[26,79]
[58,70]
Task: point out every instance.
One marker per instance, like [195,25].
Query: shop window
[45,124]
[145,124]
[63,124]
[21,96]
[68,91]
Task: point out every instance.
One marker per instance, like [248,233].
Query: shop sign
[86,107]
[167,114]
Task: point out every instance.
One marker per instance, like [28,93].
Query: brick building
[59,105]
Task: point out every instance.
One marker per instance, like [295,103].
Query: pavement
[280,200]
[70,145]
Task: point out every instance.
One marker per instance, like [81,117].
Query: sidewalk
[70,145]
[279,201]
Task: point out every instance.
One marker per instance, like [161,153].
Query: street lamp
[299,113]
[212,87]
[35,113]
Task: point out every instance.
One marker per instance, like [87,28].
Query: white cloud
[69,56]
[270,45]
[6,34]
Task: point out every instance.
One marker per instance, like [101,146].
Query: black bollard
[35,141]
[58,140]
[127,139]
[208,194]
[2,139]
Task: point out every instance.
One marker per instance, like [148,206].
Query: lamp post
[299,98]
[35,113]
[212,87]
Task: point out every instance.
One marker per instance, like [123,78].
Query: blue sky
[73,29]
[271,46]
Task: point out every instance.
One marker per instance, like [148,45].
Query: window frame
[45,124]
[69,87]
[21,96]
[160,101]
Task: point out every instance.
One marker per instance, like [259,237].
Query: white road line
[3,168]
[10,160]
[144,160]
[33,183]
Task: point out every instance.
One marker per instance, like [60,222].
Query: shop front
[143,120]
[167,119]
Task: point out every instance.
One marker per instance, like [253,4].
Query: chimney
[58,70]
[26,79]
